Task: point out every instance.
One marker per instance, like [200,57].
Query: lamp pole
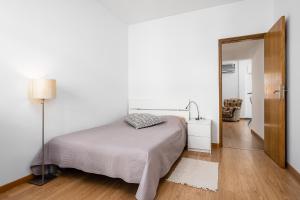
[43,140]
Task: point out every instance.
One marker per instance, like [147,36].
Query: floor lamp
[42,90]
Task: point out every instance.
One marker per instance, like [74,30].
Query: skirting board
[215,145]
[15,183]
[290,168]
[256,134]
[294,172]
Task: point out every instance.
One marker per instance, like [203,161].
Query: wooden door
[275,96]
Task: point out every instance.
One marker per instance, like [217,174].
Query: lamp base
[37,180]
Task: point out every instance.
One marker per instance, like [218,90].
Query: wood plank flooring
[238,135]
[243,174]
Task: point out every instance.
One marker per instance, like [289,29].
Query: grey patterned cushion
[142,120]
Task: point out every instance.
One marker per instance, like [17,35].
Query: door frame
[258,36]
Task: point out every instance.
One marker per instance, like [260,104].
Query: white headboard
[159,107]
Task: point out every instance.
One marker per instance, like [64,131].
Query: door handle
[276,91]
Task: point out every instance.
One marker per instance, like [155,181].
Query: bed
[118,150]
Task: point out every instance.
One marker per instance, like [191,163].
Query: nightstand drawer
[200,143]
[199,130]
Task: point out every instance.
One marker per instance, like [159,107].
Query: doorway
[223,42]
[243,94]
[275,90]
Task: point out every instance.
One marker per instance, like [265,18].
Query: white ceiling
[240,49]
[134,11]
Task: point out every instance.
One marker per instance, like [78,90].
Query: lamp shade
[43,89]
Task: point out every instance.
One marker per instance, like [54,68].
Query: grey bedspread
[117,150]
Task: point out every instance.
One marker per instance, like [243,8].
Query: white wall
[258,95]
[230,82]
[177,56]
[78,43]
[290,8]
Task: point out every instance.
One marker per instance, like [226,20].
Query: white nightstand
[199,135]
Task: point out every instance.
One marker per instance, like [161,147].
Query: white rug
[196,173]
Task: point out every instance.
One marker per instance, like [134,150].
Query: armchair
[231,110]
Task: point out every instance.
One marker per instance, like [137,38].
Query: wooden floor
[243,174]
[238,135]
